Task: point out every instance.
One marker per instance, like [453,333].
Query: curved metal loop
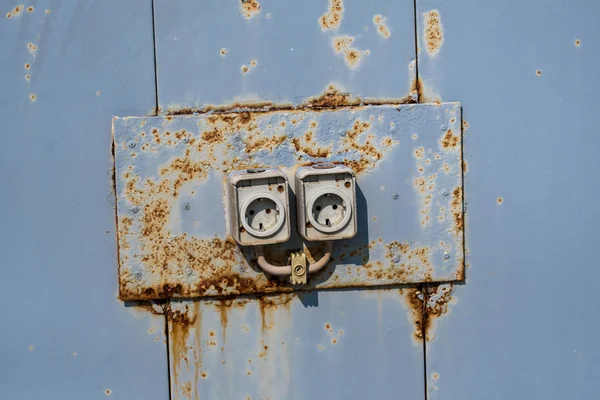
[286,270]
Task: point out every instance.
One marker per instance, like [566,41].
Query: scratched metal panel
[67,68]
[215,52]
[170,173]
[524,325]
[310,345]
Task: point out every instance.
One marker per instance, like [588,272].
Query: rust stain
[250,8]
[244,68]
[332,18]
[433,32]
[32,48]
[456,206]
[449,140]
[27,65]
[577,42]
[382,28]
[352,56]
[267,306]
[413,299]
[538,72]
[224,51]
[223,306]
[436,306]
[32,97]
[30,9]
[499,200]
[107,392]
[181,323]
[15,11]
[401,262]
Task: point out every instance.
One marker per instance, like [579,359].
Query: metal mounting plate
[170,174]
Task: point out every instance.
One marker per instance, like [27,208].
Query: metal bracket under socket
[258,207]
[326,202]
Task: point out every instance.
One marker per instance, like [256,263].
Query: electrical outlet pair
[259,211]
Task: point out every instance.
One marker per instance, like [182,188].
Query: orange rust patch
[332,18]
[419,152]
[449,140]
[341,43]
[577,42]
[499,200]
[353,57]
[27,66]
[250,8]
[244,69]
[382,28]
[32,97]
[433,32]
[457,210]
[30,8]
[538,72]
[435,309]
[413,298]
[223,51]
[267,306]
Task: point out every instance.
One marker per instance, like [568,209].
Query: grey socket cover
[326,202]
[258,210]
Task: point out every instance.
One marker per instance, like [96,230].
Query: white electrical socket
[258,207]
[326,202]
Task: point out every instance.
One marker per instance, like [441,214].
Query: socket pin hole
[334,206]
[280,188]
[319,207]
[347,184]
[251,212]
[268,211]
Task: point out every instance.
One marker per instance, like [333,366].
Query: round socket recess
[329,210]
[262,214]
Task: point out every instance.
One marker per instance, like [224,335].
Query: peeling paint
[433,32]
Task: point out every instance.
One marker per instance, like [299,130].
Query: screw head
[131,143]
[188,271]
[395,196]
[446,255]
[185,140]
[396,260]
[134,210]
[138,274]
[290,135]
[186,206]
[445,193]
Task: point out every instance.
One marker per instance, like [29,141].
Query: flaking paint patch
[15,12]
[342,45]
[433,32]
[249,8]
[438,301]
[332,18]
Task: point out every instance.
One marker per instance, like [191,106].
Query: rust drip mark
[267,307]
[382,28]
[436,306]
[433,32]
[413,299]
[332,18]
[181,322]
[223,306]
[250,8]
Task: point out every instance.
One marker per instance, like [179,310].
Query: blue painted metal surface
[320,344]
[291,54]
[67,68]
[172,224]
[523,325]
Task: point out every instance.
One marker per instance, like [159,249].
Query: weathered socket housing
[258,207]
[326,202]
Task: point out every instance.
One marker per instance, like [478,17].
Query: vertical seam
[156,108]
